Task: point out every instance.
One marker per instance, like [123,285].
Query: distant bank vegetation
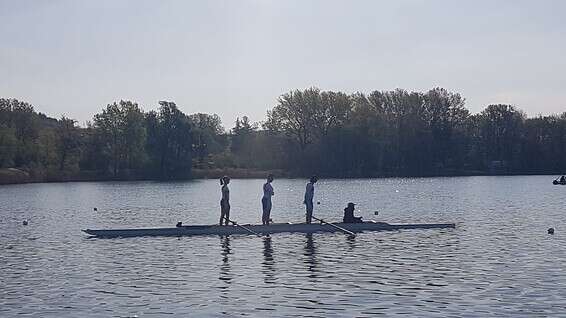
[333,134]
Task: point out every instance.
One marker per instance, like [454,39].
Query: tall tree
[208,134]
[308,115]
[8,145]
[501,133]
[110,125]
[169,141]
[241,134]
[445,115]
[121,127]
[68,140]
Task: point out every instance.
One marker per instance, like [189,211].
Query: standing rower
[309,195]
[266,200]
[225,201]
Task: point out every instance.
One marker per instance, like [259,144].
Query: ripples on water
[499,261]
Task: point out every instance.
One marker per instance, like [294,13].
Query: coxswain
[349,214]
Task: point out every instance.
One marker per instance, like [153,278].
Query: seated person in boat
[349,214]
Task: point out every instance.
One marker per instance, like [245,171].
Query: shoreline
[15,176]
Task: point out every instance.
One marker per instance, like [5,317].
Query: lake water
[498,261]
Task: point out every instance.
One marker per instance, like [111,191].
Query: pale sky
[235,58]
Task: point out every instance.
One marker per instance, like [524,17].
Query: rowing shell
[264,229]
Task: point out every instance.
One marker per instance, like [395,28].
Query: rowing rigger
[191,230]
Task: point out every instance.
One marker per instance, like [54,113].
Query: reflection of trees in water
[268,262]
[310,253]
[225,274]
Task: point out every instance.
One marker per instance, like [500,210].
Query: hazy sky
[235,58]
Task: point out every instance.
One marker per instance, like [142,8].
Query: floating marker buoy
[551,230]
[95,209]
[318,202]
[25,222]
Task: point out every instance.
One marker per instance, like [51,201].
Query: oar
[245,228]
[335,226]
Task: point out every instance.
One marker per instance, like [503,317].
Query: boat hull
[263,229]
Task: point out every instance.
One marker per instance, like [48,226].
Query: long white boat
[262,229]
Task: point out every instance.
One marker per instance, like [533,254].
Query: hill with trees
[333,134]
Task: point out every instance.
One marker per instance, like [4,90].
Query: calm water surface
[499,261]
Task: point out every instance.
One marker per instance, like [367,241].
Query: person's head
[351,206]
[270,178]
[224,180]
[313,179]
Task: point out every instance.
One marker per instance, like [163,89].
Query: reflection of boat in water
[263,229]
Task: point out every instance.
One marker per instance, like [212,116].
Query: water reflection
[225,268]
[351,242]
[310,253]
[268,262]
[498,262]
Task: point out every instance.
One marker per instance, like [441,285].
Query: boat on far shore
[190,230]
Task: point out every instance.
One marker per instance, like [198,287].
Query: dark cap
[350,204]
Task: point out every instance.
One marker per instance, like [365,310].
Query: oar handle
[335,226]
[245,228]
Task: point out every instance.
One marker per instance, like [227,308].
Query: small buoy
[25,222]
[95,209]
[318,202]
[551,230]
[376,213]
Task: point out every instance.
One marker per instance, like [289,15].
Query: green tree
[68,140]
[295,115]
[501,133]
[8,144]
[110,125]
[122,128]
[134,134]
[309,114]
[169,141]
[208,134]
[242,140]
[445,114]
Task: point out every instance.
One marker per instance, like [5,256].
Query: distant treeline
[333,134]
